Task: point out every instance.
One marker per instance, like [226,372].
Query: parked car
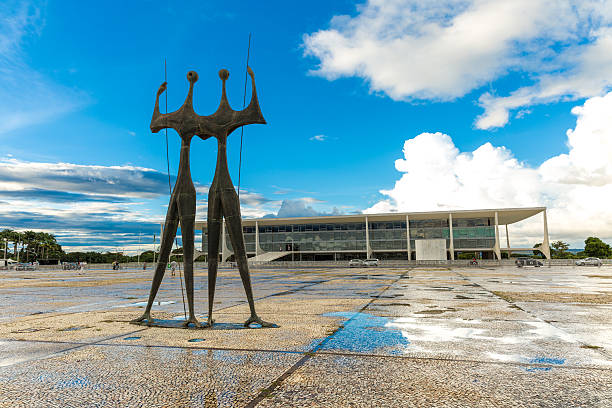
[370,262]
[25,267]
[520,262]
[589,261]
[355,262]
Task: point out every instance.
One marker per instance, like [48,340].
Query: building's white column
[545,243]
[258,250]
[368,250]
[225,252]
[451,244]
[408,238]
[508,240]
[496,247]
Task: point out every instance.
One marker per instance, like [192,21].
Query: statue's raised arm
[159,121]
[225,120]
[252,113]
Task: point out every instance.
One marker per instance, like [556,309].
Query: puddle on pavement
[75,382]
[363,332]
[30,330]
[540,363]
[74,328]
[156,303]
[437,311]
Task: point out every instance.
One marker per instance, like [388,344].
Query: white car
[589,261]
[25,267]
[355,262]
[370,262]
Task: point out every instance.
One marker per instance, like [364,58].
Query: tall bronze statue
[182,206]
[222,198]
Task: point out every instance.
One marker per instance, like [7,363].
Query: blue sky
[376,106]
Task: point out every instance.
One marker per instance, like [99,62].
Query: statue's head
[192,76]
[224,74]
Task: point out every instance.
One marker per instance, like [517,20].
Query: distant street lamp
[138,255]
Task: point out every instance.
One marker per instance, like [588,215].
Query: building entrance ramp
[267,257]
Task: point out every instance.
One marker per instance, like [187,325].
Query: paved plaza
[385,337]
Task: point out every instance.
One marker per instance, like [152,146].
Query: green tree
[594,246]
[559,250]
[12,237]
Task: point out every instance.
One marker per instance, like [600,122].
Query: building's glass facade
[388,236]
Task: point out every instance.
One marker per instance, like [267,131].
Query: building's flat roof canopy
[505,216]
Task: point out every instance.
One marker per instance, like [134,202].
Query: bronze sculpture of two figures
[222,198]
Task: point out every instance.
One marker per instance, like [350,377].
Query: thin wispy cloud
[443,50]
[318,138]
[17,176]
[28,97]
[75,200]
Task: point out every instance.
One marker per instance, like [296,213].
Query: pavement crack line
[330,353]
[284,292]
[307,355]
[76,346]
[600,351]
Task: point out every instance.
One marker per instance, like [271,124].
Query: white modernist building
[410,235]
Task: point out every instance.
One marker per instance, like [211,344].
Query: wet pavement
[391,337]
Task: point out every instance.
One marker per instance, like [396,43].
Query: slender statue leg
[187,209]
[165,247]
[214,224]
[231,210]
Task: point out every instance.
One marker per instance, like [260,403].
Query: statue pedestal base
[178,324]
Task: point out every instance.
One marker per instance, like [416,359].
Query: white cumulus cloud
[576,187]
[442,50]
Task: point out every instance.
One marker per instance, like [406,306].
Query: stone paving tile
[349,381]
[503,341]
[78,327]
[14,352]
[466,309]
[135,377]
[580,313]
[296,333]
[592,336]
[286,304]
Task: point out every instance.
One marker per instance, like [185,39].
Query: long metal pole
[243,105]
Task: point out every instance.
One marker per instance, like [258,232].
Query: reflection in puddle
[156,303]
[543,360]
[363,332]
[75,382]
